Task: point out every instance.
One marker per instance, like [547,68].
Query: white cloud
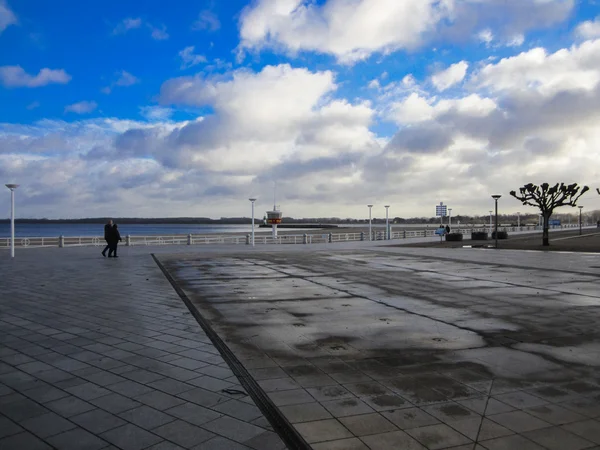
[33,105]
[486,36]
[15,76]
[124,78]
[590,29]
[535,70]
[83,107]
[7,17]
[156,113]
[352,30]
[189,58]
[158,34]
[127,24]
[207,20]
[451,76]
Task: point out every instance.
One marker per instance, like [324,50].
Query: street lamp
[370,233]
[252,200]
[387,222]
[496,197]
[580,208]
[491,222]
[12,188]
[450,217]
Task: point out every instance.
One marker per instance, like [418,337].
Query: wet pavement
[396,348]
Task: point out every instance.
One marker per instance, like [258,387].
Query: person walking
[115,237]
[107,232]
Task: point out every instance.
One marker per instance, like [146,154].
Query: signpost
[441,210]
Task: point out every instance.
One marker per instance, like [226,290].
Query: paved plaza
[358,346]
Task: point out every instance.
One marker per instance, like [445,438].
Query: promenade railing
[260,239]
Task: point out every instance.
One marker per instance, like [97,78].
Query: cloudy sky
[129,108]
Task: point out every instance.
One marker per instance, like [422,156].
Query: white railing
[312,238]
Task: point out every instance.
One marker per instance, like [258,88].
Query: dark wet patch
[348,402]
[333,391]
[298,371]
[299,315]
[455,410]
[388,400]
[369,389]
[298,325]
[550,391]
[581,387]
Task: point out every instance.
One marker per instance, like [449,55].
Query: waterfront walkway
[357,346]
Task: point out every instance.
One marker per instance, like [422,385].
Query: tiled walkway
[99,353]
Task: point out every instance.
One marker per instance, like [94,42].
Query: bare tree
[546,198]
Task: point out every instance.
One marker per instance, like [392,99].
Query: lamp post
[450,217]
[491,222]
[387,222]
[12,188]
[496,197]
[252,200]
[370,233]
[580,208]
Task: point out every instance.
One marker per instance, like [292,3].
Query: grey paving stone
[233,429]
[519,421]
[554,414]
[129,388]
[220,443]
[87,391]
[188,363]
[115,403]
[195,414]
[587,429]
[438,436]
[97,421]
[159,400]
[142,376]
[44,394]
[347,407]
[147,417]
[210,383]
[21,408]
[394,439]
[410,418]
[23,441]
[203,397]
[130,437]
[266,441]
[341,444]
[69,406]
[184,434]
[165,445]
[322,430]
[291,397]
[558,439]
[366,424]
[511,443]
[171,386]
[239,410]
[8,427]
[305,412]
[216,371]
[34,367]
[47,425]
[77,439]
[54,375]
[478,429]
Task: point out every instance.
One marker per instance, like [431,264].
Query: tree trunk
[545,236]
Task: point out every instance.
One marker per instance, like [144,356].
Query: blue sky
[137,108]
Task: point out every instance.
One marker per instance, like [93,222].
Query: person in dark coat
[115,237]
[447,229]
[107,232]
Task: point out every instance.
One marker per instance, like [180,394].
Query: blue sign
[554,223]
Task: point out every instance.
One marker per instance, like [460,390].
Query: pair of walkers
[112,238]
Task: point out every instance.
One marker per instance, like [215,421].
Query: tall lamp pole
[580,208]
[387,222]
[496,197]
[252,200]
[12,188]
[491,222]
[370,232]
[450,217]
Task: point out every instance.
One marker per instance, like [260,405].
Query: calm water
[90,229]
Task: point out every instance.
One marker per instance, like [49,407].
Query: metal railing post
[362,235]
[305,239]
[128,240]
[61,241]
[330,238]
[189,240]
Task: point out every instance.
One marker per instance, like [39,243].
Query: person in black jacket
[107,232]
[115,237]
